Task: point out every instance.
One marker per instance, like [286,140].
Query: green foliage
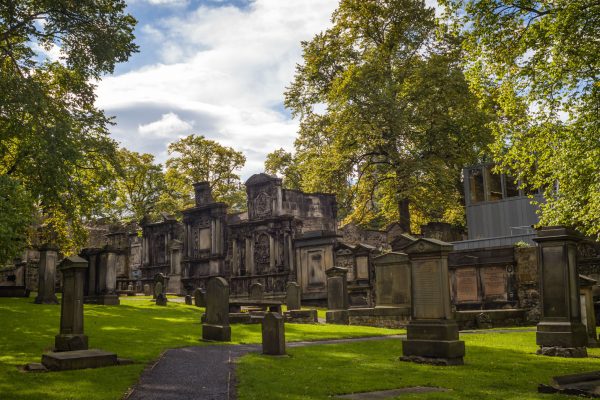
[399,121]
[139,187]
[53,140]
[281,162]
[15,216]
[540,62]
[197,159]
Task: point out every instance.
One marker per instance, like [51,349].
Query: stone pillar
[337,295]
[588,314]
[256,291]
[392,280]
[432,334]
[560,331]
[273,334]
[71,335]
[47,276]
[293,296]
[216,325]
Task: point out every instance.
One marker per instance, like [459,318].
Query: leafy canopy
[540,61]
[387,119]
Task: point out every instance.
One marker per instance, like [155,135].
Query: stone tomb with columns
[101,276]
[47,276]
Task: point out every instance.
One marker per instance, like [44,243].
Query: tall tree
[54,142]
[281,162]
[541,62]
[399,120]
[197,159]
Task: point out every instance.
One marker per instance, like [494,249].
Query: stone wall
[528,282]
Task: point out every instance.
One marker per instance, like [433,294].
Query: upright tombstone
[293,296]
[216,323]
[273,334]
[588,315]
[159,292]
[199,297]
[188,300]
[392,284]
[560,331]
[147,290]
[47,276]
[71,336]
[337,296]
[256,291]
[159,278]
[432,333]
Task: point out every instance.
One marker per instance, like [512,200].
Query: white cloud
[224,68]
[168,126]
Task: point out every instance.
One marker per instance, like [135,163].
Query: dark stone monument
[432,334]
[560,331]
[159,278]
[159,292]
[292,296]
[199,298]
[216,323]
[188,300]
[337,296]
[47,276]
[71,344]
[273,334]
[588,315]
[256,291]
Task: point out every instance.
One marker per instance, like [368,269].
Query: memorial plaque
[427,290]
[554,301]
[466,285]
[494,283]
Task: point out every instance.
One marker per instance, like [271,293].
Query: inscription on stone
[427,290]
[466,285]
[494,280]
[554,301]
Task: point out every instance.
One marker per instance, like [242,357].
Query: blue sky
[210,67]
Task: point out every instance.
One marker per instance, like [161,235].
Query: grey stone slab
[79,359]
[586,384]
[389,394]
[273,334]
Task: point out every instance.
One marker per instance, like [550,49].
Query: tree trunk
[404,212]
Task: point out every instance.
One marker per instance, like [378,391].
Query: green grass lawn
[497,366]
[137,329]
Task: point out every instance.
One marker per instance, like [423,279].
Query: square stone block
[80,359]
[217,333]
[436,349]
[339,317]
[432,330]
[70,342]
[561,334]
[302,316]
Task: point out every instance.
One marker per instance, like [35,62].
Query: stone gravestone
[188,300]
[273,334]
[560,331]
[147,290]
[216,323]
[47,276]
[159,278]
[432,333]
[161,298]
[292,296]
[392,285]
[256,291]
[71,344]
[199,298]
[588,315]
[337,296]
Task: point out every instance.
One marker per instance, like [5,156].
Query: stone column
[71,335]
[273,334]
[560,331]
[47,276]
[216,325]
[293,296]
[432,334]
[337,295]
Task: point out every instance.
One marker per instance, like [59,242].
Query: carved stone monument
[256,291]
[71,345]
[188,300]
[199,297]
[588,315]
[292,296]
[47,276]
[216,324]
[159,292]
[337,296]
[432,334]
[560,331]
[273,334]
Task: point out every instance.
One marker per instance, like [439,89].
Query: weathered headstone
[199,297]
[161,298]
[188,300]
[337,296]
[273,334]
[147,290]
[293,296]
[216,323]
[47,276]
[560,331]
[159,278]
[71,335]
[256,291]
[392,285]
[130,288]
[588,315]
[432,334]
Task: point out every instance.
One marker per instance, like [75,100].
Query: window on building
[494,185]
[476,185]
[512,186]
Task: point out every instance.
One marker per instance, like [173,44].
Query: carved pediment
[427,245]
[263,205]
[391,258]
